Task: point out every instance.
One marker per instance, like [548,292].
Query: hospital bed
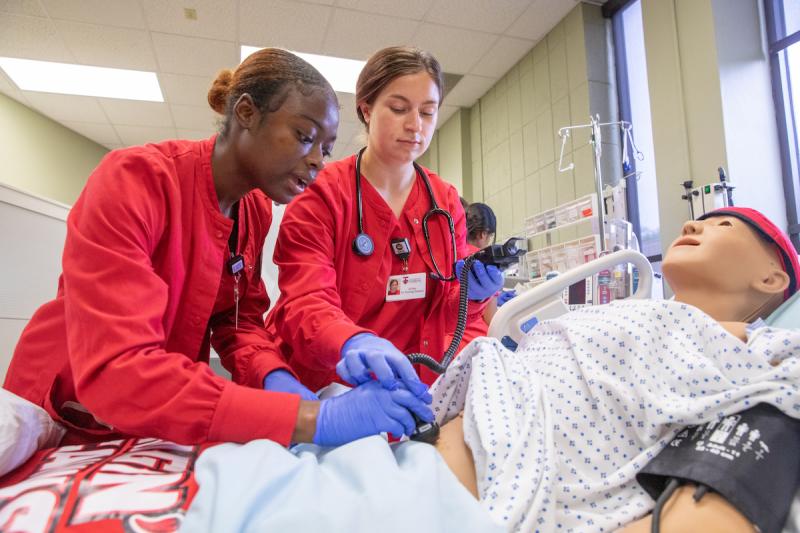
[146,484]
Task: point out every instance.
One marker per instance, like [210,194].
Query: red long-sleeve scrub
[123,348]
[329,294]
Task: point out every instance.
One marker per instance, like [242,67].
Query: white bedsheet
[559,428]
[365,486]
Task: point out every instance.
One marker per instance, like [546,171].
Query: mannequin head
[733,264]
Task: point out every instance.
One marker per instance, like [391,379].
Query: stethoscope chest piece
[363,245]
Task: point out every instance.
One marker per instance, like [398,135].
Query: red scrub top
[123,348]
[329,294]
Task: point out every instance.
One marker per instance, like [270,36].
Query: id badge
[405,287]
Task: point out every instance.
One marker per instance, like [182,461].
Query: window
[783,35]
[634,106]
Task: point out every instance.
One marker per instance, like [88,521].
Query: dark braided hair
[480,217]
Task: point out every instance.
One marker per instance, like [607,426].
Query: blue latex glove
[369,409]
[364,353]
[484,281]
[505,296]
[283,381]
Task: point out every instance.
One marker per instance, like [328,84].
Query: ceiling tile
[121,47]
[409,9]
[106,12]
[177,54]
[539,19]
[32,38]
[63,107]
[215,19]
[183,89]
[195,134]
[502,57]
[189,117]
[135,135]
[99,133]
[276,23]
[373,33]
[132,113]
[457,50]
[468,90]
[492,16]
[22,7]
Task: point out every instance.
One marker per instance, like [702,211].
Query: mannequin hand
[283,381]
[505,296]
[365,353]
[369,409]
[484,281]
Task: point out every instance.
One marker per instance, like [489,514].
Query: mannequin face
[723,257]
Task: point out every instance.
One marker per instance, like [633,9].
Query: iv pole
[596,140]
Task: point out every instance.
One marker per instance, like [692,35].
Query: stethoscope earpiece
[363,245]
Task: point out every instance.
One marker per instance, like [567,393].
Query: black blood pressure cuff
[752,459]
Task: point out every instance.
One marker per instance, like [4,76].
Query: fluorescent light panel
[65,78]
[341,73]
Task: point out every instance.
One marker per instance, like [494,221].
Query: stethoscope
[363,245]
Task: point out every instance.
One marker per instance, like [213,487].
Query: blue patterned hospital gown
[559,429]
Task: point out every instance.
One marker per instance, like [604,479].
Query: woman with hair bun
[163,260]
[370,220]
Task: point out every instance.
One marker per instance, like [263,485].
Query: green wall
[42,156]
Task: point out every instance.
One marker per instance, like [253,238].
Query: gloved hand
[484,281]
[283,381]
[505,296]
[369,409]
[364,353]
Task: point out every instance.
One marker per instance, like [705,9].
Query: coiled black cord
[427,360]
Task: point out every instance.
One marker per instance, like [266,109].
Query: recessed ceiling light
[341,73]
[66,78]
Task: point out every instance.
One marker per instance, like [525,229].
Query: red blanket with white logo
[131,485]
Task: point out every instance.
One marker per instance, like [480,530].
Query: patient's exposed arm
[681,513]
[457,454]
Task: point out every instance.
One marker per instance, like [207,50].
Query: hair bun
[219,91]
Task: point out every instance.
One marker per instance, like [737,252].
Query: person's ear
[246,112]
[366,111]
[773,282]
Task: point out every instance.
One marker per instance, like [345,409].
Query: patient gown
[559,428]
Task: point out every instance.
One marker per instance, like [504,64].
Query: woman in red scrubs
[163,259]
[371,221]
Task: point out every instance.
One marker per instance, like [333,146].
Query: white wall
[751,134]
[33,232]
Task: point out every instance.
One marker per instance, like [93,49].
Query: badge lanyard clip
[402,249]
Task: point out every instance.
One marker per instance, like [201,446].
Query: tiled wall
[513,137]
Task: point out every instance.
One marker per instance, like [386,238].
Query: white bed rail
[544,301]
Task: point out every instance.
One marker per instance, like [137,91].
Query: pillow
[787,315]
[24,428]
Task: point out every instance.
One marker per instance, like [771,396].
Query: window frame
[784,107]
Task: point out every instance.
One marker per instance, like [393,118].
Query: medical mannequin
[724,267]
[352,233]
[163,260]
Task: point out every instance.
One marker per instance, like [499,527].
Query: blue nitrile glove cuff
[369,409]
[484,281]
[504,297]
[282,381]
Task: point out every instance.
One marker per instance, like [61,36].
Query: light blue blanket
[367,485]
